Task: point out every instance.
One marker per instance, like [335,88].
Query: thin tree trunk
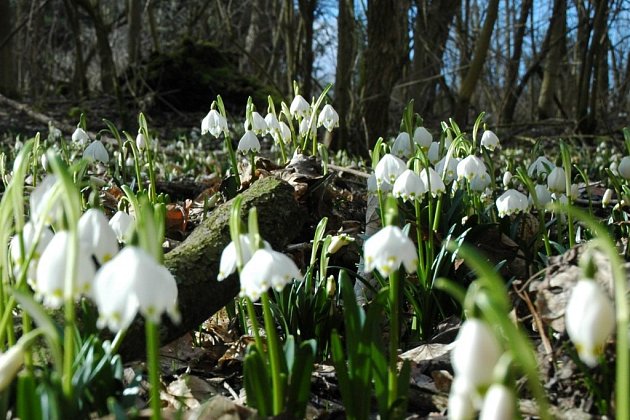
[346,53]
[288,33]
[476,65]
[8,82]
[553,66]
[134,19]
[79,79]
[307,17]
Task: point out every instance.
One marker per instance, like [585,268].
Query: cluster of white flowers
[121,283]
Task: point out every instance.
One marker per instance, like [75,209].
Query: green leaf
[257,381]
[28,401]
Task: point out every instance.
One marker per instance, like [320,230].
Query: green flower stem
[255,326]
[232,154]
[566,163]
[69,312]
[153,347]
[381,204]
[273,348]
[394,308]
[283,152]
[421,262]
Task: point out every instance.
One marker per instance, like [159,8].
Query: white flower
[51,272]
[45,201]
[409,186]
[448,173]
[328,117]
[387,249]
[574,193]
[30,240]
[227,265]
[134,281]
[11,362]
[272,122]
[285,133]
[432,182]
[434,152]
[53,132]
[96,151]
[215,123]
[80,136]
[541,165]
[498,403]
[607,198]
[267,268]
[470,167]
[299,108]
[389,168]
[480,182]
[402,145]
[141,141]
[543,195]
[556,180]
[511,202]
[339,241]
[304,124]
[97,234]
[257,124]
[507,178]
[372,186]
[122,224]
[589,319]
[461,400]
[422,137]
[475,353]
[489,140]
[624,167]
[248,143]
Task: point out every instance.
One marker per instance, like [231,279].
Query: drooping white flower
[480,182]
[422,137]
[461,400]
[623,168]
[227,264]
[257,124]
[409,186]
[448,173]
[51,272]
[507,178]
[299,108]
[542,194]
[304,124]
[607,198]
[541,165]
[267,268]
[402,146]
[249,143]
[133,281]
[122,224]
[475,353]
[432,181]
[511,202]
[471,167]
[373,186]
[272,122]
[589,319]
[141,141]
[214,123]
[96,152]
[80,136]
[285,133]
[489,140]
[97,234]
[389,168]
[498,403]
[11,362]
[45,201]
[434,152]
[387,249]
[328,117]
[30,240]
[556,180]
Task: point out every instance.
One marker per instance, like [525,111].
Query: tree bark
[134,21]
[346,54]
[476,65]
[307,19]
[195,262]
[79,80]
[553,65]
[384,57]
[8,80]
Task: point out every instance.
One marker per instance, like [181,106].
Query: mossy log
[195,262]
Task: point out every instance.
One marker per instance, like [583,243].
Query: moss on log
[195,262]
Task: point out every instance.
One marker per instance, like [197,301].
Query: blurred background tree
[557,65]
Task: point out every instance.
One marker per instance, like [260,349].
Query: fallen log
[195,262]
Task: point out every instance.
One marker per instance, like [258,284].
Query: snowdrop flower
[387,249]
[328,117]
[489,140]
[389,168]
[409,186]
[267,268]
[574,192]
[30,240]
[284,133]
[614,168]
[51,272]
[97,234]
[507,178]
[556,180]
[460,400]
[227,264]
[141,141]
[122,224]
[607,198]
[498,403]
[560,198]
[45,201]
[257,124]
[11,362]
[475,353]
[402,145]
[214,123]
[339,241]
[53,132]
[589,319]
[624,167]
[511,202]
[133,281]
[299,108]
[272,122]
[448,173]
[434,152]
[480,182]
[80,136]
[470,167]
[422,137]
[304,124]
[543,195]
[96,152]
[433,182]
[373,186]
[248,143]
[541,165]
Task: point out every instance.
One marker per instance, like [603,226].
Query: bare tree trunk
[476,65]
[8,80]
[134,19]
[288,33]
[432,26]
[346,53]
[553,66]
[150,8]
[79,80]
[384,57]
[307,18]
